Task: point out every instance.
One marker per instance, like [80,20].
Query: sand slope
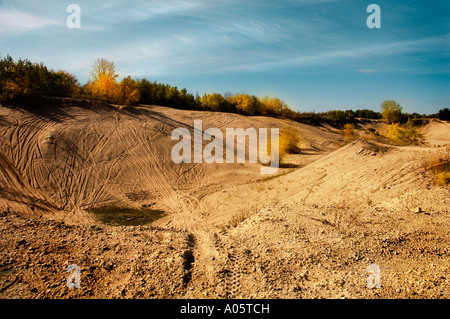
[78,158]
[310,231]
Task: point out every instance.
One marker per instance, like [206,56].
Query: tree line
[22,78]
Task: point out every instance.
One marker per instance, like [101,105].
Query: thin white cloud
[339,56]
[15,21]
[140,10]
[367,71]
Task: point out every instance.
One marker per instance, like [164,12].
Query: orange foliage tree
[103,84]
[129,91]
[273,105]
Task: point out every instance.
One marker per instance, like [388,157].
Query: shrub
[289,140]
[287,143]
[403,134]
[440,167]
[339,118]
[368,114]
[349,132]
[442,178]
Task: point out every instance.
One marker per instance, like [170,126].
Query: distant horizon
[316,56]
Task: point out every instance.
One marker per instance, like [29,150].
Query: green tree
[367,114]
[26,79]
[444,114]
[214,102]
[391,111]
[146,91]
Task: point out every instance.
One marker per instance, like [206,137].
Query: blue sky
[313,54]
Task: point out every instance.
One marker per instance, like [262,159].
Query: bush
[349,133]
[289,139]
[368,114]
[339,118]
[287,143]
[440,167]
[403,134]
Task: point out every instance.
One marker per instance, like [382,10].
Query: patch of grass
[32,202]
[238,218]
[378,148]
[126,216]
[6,271]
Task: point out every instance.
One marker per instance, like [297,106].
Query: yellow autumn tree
[272,105]
[103,67]
[103,84]
[248,104]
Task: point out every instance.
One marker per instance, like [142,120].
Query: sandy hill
[309,231]
[88,155]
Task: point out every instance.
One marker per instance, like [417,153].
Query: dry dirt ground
[311,231]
